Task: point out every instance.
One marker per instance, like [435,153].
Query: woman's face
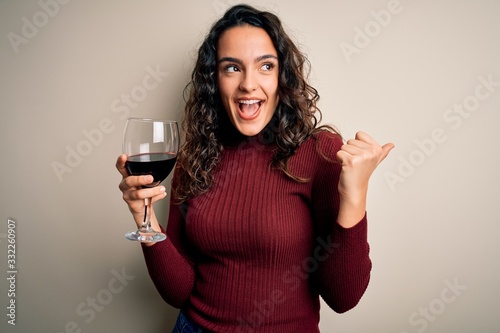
[247,73]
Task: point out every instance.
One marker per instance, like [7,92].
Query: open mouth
[249,108]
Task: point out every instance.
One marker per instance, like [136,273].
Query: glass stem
[146,223]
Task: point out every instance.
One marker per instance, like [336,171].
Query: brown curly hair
[206,124]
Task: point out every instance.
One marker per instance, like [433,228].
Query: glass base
[145,236]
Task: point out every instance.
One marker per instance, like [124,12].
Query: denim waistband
[184,325]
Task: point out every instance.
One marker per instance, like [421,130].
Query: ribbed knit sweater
[255,252]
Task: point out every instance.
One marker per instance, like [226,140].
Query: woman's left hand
[359,157]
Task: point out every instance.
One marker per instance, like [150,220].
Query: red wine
[159,165]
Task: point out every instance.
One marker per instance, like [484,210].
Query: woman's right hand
[134,194]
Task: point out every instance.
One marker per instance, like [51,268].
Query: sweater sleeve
[168,262]
[344,265]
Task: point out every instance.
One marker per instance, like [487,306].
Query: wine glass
[151,147]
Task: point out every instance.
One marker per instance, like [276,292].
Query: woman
[267,209]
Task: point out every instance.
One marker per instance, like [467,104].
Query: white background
[433,207]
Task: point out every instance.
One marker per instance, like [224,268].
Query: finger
[135,182]
[344,157]
[341,155]
[386,149]
[352,148]
[358,143]
[120,165]
[362,136]
[159,197]
[132,194]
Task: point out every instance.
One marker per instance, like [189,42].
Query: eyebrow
[238,61]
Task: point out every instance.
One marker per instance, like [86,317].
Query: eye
[231,69]
[267,67]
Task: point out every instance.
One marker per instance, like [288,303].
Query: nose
[249,82]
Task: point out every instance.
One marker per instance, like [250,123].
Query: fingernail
[162,189]
[148,178]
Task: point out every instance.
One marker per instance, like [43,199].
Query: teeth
[251,101]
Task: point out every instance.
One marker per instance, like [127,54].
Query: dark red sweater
[255,253]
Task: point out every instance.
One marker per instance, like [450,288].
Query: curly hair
[206,122]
